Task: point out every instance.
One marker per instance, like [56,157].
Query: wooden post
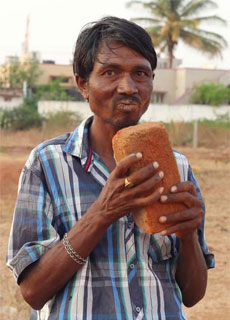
[195,134]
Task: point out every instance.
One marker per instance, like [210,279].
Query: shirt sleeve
[33,231]
[209,257]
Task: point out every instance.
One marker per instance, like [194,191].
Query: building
[52,71]
[10,98]
[175,86]
[171,86]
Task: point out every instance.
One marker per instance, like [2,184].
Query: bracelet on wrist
[71,252]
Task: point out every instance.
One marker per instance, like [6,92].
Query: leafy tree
[174,20]
[52,91]
[211,93]
[15,74]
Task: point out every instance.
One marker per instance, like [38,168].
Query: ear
[82,86]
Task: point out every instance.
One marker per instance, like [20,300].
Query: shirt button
[138,309]
[131,266]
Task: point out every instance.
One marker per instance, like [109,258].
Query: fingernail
[164,232]
[139,155]
[164,198]
[173,189]
[163,219]
[155,164]
[161,174]
[161,189]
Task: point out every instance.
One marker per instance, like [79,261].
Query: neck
[101,135]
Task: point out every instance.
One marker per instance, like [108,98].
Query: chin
[120,124]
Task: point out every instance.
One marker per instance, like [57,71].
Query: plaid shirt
[129,274]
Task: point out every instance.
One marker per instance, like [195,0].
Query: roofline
[206,69]
[188,68]
[179,68]
[55,64]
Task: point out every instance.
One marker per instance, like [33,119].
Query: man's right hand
[116,200]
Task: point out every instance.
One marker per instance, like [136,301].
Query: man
[74,247]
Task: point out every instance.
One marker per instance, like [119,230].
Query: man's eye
[140,73]
[109,72]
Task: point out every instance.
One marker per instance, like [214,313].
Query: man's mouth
[127,101]
[127,105]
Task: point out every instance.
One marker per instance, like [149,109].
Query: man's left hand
[185,222]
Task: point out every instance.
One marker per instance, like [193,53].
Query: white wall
[156,112]
[46,107]
[14,102]
[167,113]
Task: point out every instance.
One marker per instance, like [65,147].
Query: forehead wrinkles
[109,50]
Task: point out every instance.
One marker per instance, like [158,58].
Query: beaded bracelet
[71,252]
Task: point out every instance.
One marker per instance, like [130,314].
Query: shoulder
[182,164]
[58,148]
[45,150]
[179,155]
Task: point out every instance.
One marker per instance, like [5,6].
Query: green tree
[15,74]
[22,117]
[174,20]
[52,91]
[211,93]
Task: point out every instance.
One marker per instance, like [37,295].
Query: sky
[55,25]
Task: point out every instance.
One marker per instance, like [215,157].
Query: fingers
[147,200]
[183,192]
[123,166]
[183,187]
[146,184]
[182,229]
[187,198]
[139,176]
[183,221]
[184,215]
[145,173]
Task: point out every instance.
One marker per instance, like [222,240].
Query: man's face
[120,85]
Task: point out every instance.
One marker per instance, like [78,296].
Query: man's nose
[127,85]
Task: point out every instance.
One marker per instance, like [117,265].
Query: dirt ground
[212,169]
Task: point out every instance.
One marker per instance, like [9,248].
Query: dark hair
[110,29]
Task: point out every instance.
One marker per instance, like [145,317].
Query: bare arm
[191,273]
[115,201]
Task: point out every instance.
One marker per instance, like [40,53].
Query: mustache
[124,97]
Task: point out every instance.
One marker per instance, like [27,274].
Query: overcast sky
[55,24]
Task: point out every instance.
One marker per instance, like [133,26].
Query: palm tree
[173,20]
